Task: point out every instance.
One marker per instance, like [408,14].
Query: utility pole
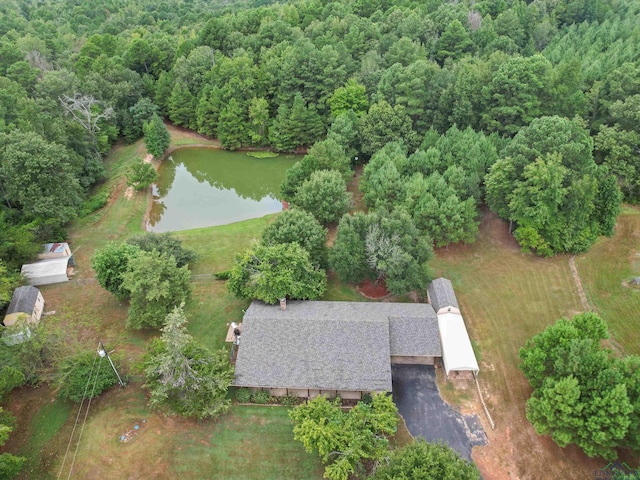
[103,353]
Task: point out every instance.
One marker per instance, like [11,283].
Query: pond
[204,187]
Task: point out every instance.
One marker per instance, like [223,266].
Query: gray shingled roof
[332,345]
[23,300]
[441,294]
[415,336]
[326,354]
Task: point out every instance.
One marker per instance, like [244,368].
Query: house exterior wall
[349,395]
[412,360]
[298,392]
[277,392]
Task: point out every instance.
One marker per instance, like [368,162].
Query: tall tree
[324,194]
[352,96]
[156,285]
[184,376]
[232,126]
[379,245]
[384,124]
[324,155]
[345,439]
[453,42]
[156,136]
[110,263]
[547,182]
[298,226]
[580,390]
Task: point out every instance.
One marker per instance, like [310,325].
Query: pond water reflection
[203,187]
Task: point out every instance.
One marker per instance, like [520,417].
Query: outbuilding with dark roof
[442,297]
[26,306]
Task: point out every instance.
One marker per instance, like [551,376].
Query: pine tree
[156,136]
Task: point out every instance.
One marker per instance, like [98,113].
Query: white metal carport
[457,352]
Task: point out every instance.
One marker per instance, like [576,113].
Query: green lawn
[249,443]
[606,270]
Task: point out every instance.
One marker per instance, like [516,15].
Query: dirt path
[578,282]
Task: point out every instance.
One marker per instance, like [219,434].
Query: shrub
[94,203]
[289,401]
[141,175]
[243,395]
[261,397]
[224,275]
[85,376]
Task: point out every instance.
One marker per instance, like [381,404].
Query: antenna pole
[103,353]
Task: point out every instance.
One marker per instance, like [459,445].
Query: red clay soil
[374,290]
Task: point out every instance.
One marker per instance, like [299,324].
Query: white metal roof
[43,272]
[457,352]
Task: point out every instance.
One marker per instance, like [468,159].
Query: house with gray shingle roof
[332,348]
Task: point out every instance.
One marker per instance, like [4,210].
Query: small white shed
[46,271]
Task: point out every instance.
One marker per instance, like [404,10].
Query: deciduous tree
[110,264]
[298,226]
[156,285]
[425,461]
[580,389]
[271,272]
[324,195]
[345,439]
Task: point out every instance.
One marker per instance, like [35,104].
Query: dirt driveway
[428,416]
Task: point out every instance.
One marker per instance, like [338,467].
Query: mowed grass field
[506,297]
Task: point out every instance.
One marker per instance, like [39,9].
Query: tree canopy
[271,272]
[345,439]
[298,226]
[582,394]
[379,245]
[547,182]
[421,460]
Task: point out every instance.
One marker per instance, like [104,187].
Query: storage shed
[47,271]
[442,297]
[55,250]
[26,306]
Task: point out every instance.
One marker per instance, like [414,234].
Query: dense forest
[532,108]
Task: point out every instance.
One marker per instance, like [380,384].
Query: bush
[224,275]
[289,401]
[94,203]
[141,175]
[261,397]
[85,376]
[243,395]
